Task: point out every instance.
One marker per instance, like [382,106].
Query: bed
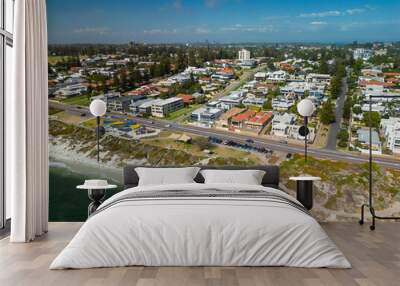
[198,224]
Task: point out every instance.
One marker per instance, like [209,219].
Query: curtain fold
[27,124]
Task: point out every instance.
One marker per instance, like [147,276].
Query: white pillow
[243,177]
[166,176]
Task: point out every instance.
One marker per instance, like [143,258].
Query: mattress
[201,225]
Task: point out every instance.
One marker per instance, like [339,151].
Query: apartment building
[162,107]
[206,114]
[119,104]
[244,55]
[391,129]
[135,106]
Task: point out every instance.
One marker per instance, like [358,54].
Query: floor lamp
[370,205]
[306,109]
[98,108]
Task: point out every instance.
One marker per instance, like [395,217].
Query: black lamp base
[374,216]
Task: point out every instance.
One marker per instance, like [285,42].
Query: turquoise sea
[66,203]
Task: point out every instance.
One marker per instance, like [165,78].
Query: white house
[206,114]
[281,124]
[362,53]
[363,140]
[391,129]
[277,76]
[282,102]
[318,78]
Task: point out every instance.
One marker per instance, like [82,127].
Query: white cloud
[160,31]
[249,28]
[355,11]
[337,13]
[318,23]
[152,31]
[201,30]
[332,13]
[93,30]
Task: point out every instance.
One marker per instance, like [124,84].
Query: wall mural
[210,103]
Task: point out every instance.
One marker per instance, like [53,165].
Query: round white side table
[96,195]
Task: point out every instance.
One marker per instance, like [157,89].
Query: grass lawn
[82,100]
[70,118]
[164,141]
[55,59]
[91,123]
[53,111]
[181,112]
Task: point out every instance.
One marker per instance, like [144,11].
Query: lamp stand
[370,201]
[98,138]
[305,138]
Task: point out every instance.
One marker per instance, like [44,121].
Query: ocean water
[66,203]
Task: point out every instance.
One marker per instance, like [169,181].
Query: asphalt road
[225,135]
[335,127]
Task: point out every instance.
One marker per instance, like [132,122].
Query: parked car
[250,141]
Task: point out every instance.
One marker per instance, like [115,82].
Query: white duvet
[200,231]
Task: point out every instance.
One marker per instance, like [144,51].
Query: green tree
[375,119]
[357,110]
[201,99]
[181,61]
[293,109]
[192,58]
[347,108]
[343,137]
[116,80]
[89,91]
[274,92]
[323,67]
[327,114]
[267,104]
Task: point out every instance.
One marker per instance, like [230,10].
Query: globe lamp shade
[306,108]
[98,108]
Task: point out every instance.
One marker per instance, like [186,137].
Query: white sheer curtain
[27,124]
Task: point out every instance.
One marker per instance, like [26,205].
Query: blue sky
[223,21]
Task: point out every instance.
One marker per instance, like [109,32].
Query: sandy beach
[60,156]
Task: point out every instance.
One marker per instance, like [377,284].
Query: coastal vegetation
[338,196]
[344,186]
[159,151]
